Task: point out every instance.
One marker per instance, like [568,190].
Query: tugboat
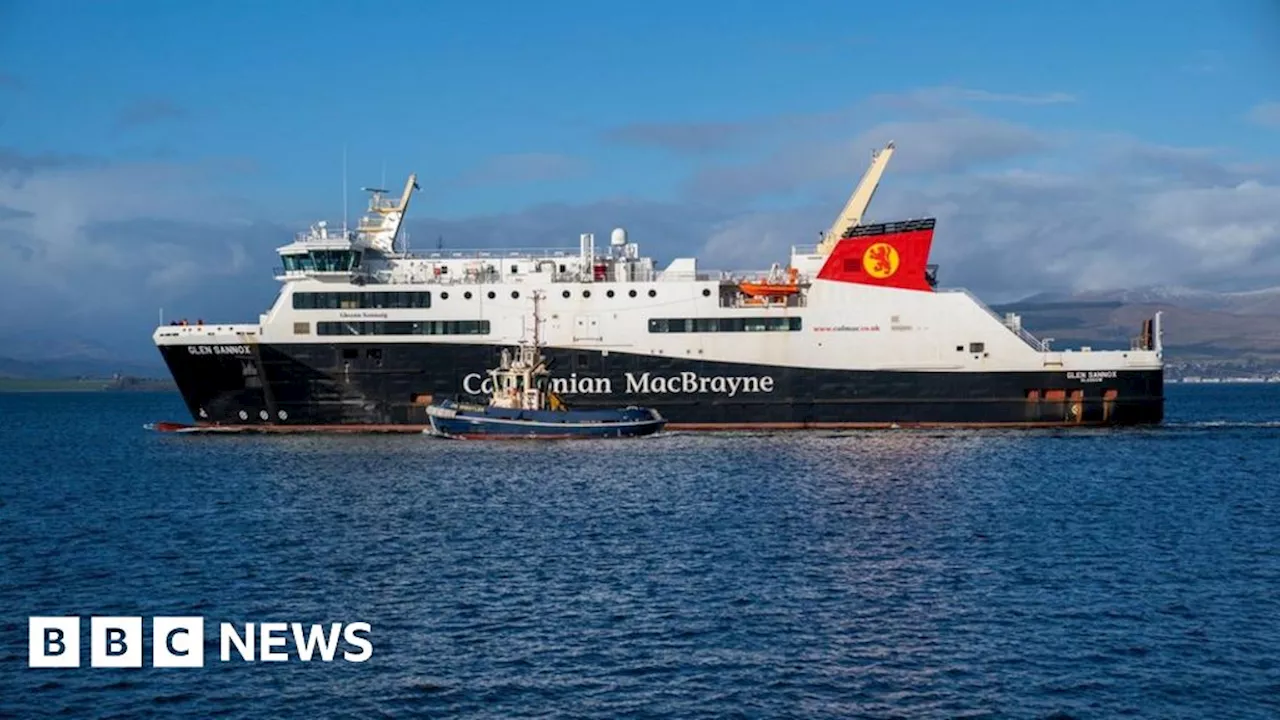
[522,406]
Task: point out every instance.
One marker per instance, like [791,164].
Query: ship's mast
[537,319]
[858,201]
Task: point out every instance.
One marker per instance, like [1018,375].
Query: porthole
[565,294]
[632,293]
[706,292]
[492,294]
[586,293]
[515,294]
[444,296]
[653,293]
[263,414]
[283,415]
[466,295]
[609,294]
[243,415]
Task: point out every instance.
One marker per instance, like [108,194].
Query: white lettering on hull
[688,383]
[1091,376]
[219,350]
[691,383]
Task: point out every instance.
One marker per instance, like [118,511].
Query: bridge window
[425,327]
[323,261]
[360,300]
[702,325]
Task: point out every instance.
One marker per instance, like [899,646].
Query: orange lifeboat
[771,287]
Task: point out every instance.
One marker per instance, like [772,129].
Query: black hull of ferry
[388,387]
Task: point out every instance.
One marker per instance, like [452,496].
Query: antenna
[344,189]
[384,173]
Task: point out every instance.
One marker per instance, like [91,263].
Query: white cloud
[943,145]
[756,240]
[94,245]
[1015,233]
[1266,114]
[1020,210]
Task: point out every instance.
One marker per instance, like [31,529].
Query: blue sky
[735,128]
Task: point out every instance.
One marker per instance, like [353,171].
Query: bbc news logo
[54,642]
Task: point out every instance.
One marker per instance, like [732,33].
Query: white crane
[858,201]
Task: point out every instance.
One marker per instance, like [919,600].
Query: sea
[1087,573]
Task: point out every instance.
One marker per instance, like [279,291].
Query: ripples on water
[1028,574]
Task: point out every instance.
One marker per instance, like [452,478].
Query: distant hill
[74,367]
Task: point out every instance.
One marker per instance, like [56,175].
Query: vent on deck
[890,228]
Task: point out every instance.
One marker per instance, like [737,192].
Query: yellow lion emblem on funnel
[880,260]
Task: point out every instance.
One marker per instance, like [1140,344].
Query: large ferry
[854,332]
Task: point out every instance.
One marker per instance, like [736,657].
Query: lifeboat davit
[771,287]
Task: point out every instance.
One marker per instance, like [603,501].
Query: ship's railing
[686,276]
[279,271]
[1020,331]
[425,275]
[384,204]
[327,237]
[734,300]
[723,276]
[496,254]
[737,276]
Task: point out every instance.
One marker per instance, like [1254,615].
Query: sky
[154,154]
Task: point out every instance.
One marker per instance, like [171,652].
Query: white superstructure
[355,286]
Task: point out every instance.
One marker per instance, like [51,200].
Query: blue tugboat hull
[451,420]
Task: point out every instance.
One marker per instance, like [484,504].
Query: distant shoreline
[80,391]
[84,385]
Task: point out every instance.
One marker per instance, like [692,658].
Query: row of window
[423,327]
[738,324]
[360,300]
[323,261]
[367,300]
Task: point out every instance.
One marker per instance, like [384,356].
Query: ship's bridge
[319,250]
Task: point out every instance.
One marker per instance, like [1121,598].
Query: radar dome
[619,237]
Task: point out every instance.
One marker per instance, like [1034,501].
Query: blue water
[1024,574]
